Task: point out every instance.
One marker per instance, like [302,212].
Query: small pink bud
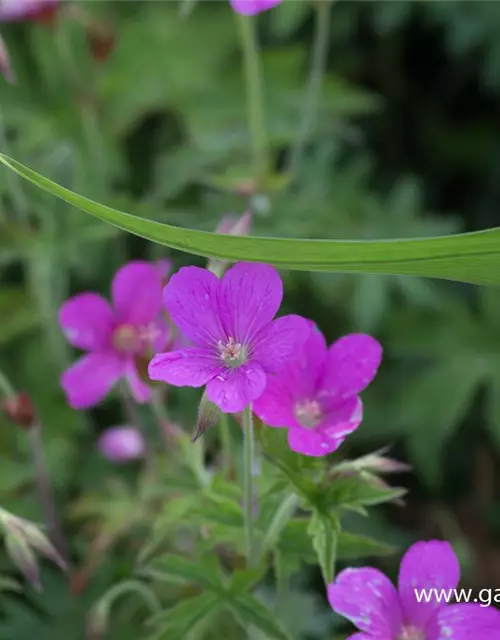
[5,66]
[122,444]
[230,225]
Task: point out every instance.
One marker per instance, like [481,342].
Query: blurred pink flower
[5,66]
[251,7]
[121,444]
[17,10]
[114,337]
[315,395]
[368,598]
[233,226]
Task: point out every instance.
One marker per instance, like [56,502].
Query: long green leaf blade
[469,257]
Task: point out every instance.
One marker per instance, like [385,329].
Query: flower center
[411,633]
[308,413]
[126,339]
[233,354]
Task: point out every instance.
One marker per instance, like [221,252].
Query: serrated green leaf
[245,579]
[180,621]
[179,570]
[470,257]
[353,492]
[324,530]
[251,612]
[353,546]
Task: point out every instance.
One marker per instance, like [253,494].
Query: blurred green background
[406,143]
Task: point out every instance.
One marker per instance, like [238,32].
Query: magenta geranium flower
[251,7]
[316,395]
[368,598]
[12,10]
[230,322]
[114,337]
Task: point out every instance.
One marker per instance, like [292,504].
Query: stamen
[126,339]
[308,413]
[411,633]
[233,354]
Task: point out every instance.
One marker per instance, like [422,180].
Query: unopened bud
[39,541]
[23,557]
[232,226]
[375,463]
[101,39]
[208,416]
[5,66]
[20,409]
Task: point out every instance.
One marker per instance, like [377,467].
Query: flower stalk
[248,488]
[255,98]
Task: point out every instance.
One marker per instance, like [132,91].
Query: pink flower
[230,322]
[368,598]
[5,66]
[113,337]
[251,7]
[13,10]
[121,444]
[316,395]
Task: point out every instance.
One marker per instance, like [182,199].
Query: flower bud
[5,66]
[122,444]
[208,416]
[101,40]
[375,463]
[232,226]
[20,409]
[23,557]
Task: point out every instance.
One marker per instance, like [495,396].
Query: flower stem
[255,100]
[316,75]
[134,418]
[5,387]
[225,439]
[248,489]
[45,491]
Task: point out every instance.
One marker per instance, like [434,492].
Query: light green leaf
[179,570]
[251,612]
[470,257]
[353,492]
[324,530]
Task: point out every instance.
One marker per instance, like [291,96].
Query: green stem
[161,415]
[19,203]
[5,386]
[134,418]
[315,84]
[255,100]
[248,490]
[225,439]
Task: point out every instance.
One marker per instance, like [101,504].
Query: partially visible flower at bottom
[19,10]
[114,337]
[251,7]
[5,66]
[369,600]
[316,394]
[122,444]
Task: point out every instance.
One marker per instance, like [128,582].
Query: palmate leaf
[185,618]
[324,530]
[471,257]
[251,612]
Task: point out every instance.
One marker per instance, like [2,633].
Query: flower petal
[251,7]
[275,407]
[192,367]
[191,298]
[87,321]
[137,293]
[426,565]
[234,389]
[250,296]
[140,390]
[330,434]
[369,600]
[90,379]
[465,622]
[282,340]
[352,363]
[12,10]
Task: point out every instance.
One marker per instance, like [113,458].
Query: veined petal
[251,7]
[275,407]
[465,622]
[91,378]
[249,298]
[87,321]
[137,291]
[369,600]
[330,433]
[426,565]
[234,389]
[191,298]
[192,367]
[351,365]
[281,342]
